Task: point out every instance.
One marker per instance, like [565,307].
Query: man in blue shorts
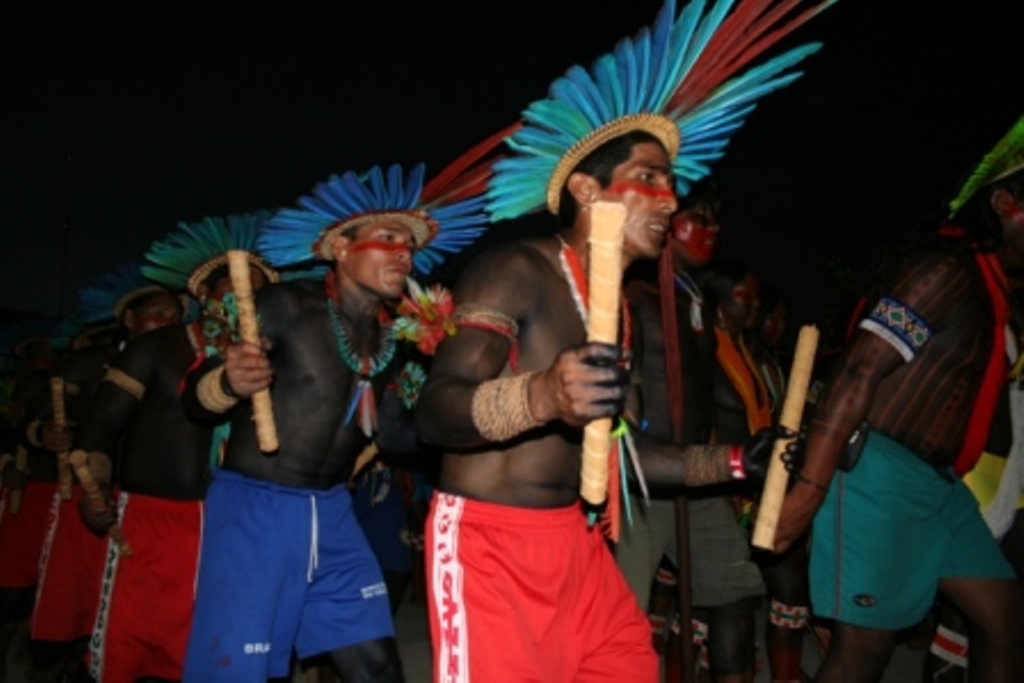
[284,563]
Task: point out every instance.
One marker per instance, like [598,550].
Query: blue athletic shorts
[888,532]
[280,567]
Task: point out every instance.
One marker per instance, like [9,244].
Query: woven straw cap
[661,127]
[207,267]
[421,226]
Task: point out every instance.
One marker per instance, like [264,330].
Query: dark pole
[65,237]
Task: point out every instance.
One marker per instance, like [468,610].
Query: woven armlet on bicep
[899,325]
[125,381]
[486,318]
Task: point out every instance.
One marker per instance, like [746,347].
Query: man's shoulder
[294,290]
[154,340]
[519,260]
[289,298]
[155,347]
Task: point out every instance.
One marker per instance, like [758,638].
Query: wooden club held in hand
[248,327]
[605,284]
[792,413]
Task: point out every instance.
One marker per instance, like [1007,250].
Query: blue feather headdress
[106,296]
[675,80]
[187,255]
[444,215]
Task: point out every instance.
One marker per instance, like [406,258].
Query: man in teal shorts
[918,380]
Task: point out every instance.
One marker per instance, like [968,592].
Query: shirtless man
[925,370]
[722,578]
[72,565]
[509,484]
[139,438]
[284,561]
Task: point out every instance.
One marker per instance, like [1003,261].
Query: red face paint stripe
[379,246]
[646,190]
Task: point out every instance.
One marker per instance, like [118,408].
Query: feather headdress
[1005,158]
[107,295]
[445,215]
[676,80]
[17,336]
[187,255]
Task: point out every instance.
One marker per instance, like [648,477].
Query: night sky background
[119,122]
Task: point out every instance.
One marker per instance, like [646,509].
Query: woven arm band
[122,379]
[211,394]
[706,464]
[486,318]
[501,408]
[32,433]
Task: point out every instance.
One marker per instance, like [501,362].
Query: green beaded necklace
[366,366]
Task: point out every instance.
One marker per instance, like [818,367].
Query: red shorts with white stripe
[146,604]
[529,594]
[22,533]
[70,575]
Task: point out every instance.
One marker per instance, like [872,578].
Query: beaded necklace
[366,366]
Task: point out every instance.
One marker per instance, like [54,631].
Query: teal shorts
[888,532]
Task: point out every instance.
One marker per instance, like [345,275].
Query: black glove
[14,479]
[757,451]
[795,453]
[96,520]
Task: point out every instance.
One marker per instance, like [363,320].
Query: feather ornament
[688,69]
[1005,158]
[189,253]
[445,215]
[105,296]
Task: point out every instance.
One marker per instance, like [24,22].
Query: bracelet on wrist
[804,480]
[225,385]
[210,392]
[736,468]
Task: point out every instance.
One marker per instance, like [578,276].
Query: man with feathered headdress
[507,396]
[284,564]
[139,440]
[71,563]
[919,381]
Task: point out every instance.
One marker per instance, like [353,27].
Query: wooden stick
[21,464]
[605,281]
[97,500]
[792,412]
[248,327]
[60,422]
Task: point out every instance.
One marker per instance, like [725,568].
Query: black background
[120,122]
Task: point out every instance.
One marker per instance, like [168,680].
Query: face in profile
[158,310]
[694,235]
[222,285]
[738,310]
[645,186]
[376,258]
[773,326]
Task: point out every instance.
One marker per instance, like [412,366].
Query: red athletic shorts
[22,533]
[145,610]
[519,594]
[70,575]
